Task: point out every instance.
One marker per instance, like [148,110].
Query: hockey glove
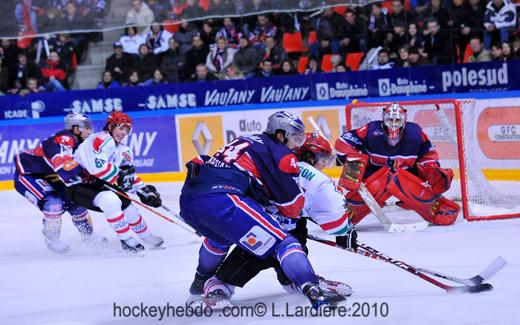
[149,196]
[353,171]
[125,179]
[287,224]
[349,240]
[438,178]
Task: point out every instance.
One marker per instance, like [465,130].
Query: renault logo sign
[202,129]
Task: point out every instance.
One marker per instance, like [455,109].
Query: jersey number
[99,162]
[232,151]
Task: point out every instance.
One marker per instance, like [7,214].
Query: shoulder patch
[289,164]
[100,141]
[65,140]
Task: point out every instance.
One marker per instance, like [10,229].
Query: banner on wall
[153,141]
[475,77]
[498,131]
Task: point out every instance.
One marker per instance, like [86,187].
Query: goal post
[451,127]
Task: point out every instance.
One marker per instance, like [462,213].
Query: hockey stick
[498,264]
[371,202]
[118,191]
[367,251]
[492,269]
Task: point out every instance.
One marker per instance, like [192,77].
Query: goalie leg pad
[376,184]
[418,195]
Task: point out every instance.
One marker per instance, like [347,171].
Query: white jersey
[102,157]
[324,203]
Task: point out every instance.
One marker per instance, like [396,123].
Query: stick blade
[408,227]
[498,264]
[483,287]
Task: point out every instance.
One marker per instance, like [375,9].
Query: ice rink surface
[38,286]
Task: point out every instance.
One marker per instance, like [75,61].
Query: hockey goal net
[451,127]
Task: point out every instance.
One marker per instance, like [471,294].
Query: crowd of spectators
[392,34]
[163,44]
[34,63]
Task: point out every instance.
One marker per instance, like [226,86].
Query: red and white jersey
[102,157]
[324,203]
[98,155]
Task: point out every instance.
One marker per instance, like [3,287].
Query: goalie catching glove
[149,196]
[353,171]
[438,178]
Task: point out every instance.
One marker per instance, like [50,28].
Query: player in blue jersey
[224,197]
[42,173]
[394,157]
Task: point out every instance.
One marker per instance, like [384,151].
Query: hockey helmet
[316,148]
[118,119]
[394,120]
[82,121]
[290,124]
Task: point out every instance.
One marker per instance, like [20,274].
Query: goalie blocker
[394,157]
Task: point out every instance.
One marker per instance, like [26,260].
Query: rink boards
[163,141]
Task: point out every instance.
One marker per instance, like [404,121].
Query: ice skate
[335,286]
[131,245]
[319,297]
[197,286]
[53,243]
[152,240]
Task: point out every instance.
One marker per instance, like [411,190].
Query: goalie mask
[118,125]
[394,120]
[315,149]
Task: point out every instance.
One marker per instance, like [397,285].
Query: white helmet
[79,120]
[290,124]
[394,120]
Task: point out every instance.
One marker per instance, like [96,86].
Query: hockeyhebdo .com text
[258,310]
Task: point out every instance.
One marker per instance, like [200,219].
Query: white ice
[38,286]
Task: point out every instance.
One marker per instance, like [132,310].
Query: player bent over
[223,199]
[394,157]
[42,174]
[324,204]
[106,159]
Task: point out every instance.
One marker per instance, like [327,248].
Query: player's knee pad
[418,195]
[108,202]
[78,213]
[213,247]
[377,185]
[287,246]
[131,214]
[51,205]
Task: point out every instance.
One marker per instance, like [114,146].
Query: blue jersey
[53,155]
[414,147]
[269,164]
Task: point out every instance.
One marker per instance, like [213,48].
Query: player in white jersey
[325,205]
[108,160]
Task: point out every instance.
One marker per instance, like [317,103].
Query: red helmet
[118,119]
[317,144]
[315,147]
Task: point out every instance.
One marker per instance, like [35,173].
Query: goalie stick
[368,251]
[371,202]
